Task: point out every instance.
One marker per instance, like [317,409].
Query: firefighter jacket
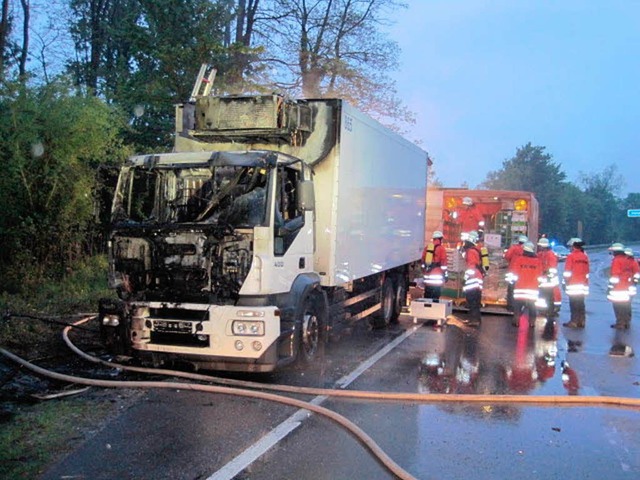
[474,273]
[434,259]
[549,263]
[513,252]
[576,273]
[620,279]
[527,268]
[469,218]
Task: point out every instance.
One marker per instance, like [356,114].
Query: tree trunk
[26,10]
[4,33]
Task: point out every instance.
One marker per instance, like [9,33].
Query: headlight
[248,328]
[111,320]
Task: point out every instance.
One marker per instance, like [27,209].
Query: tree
[605,220]
[51,142]
[9,48]
[334,48]
[5,32]
[533,170]
[144,55]
[631,226]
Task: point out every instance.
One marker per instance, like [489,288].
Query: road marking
[255,451]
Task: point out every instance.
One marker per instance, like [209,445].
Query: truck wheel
[311,336]
[384,316]
[401,298]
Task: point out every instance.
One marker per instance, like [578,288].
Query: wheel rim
[310,334]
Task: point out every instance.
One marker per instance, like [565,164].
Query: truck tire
[401,297]
[312,337]
[384,316]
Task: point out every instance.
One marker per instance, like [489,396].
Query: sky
[485,77]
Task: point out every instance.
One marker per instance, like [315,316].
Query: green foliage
[84,283]
[533,170]
[144,56]
[51,142]
[594,212]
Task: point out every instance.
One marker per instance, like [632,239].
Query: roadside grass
[35,433]
[78,292]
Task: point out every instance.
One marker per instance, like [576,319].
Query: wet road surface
[188,435]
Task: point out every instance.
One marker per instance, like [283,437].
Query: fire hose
[535,400]
[243,388]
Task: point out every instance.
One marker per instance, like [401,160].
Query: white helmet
[543,242]
[628,252]
[528,247]
[616,247]
[473,237]
[437,234]
[574,240]
[522,239]
[467,201]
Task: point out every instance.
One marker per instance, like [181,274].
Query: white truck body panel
[370,201]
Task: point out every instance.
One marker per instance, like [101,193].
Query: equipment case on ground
[427,309]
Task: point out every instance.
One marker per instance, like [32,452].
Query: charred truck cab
[271,225]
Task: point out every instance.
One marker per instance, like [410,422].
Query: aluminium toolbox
[428,309]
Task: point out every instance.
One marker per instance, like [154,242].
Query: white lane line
[255,451]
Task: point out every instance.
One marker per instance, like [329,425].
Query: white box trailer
[369,208]
[273,224]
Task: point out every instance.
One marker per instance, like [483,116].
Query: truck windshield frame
[173,194]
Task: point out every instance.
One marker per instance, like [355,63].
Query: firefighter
[618,291]
[510,255]
[634,266]
[549,281]
[473,277]
[470,218]
[527,269]
[434,261]
[576,282]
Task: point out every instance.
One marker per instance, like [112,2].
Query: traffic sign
[633,213]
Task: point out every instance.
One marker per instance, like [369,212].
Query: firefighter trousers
[622,311]
[524,308]
[577,309]
[474,300]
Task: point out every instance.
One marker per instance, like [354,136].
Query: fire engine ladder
[204,82]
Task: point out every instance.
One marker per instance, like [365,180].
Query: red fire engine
[500,216]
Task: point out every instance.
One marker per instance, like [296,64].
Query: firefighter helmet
[616,247]
[472,237]
[522,239]
[528,247]
[467,201]
[543,242]
[574,240]
[628,252]
[437,234]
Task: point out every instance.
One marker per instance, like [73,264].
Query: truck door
[288,218]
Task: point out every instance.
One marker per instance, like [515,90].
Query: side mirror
[306,196]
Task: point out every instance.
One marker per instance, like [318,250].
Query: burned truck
[272,224]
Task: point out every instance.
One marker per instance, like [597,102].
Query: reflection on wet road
[495,359]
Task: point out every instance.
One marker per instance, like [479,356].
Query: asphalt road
[190,435]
